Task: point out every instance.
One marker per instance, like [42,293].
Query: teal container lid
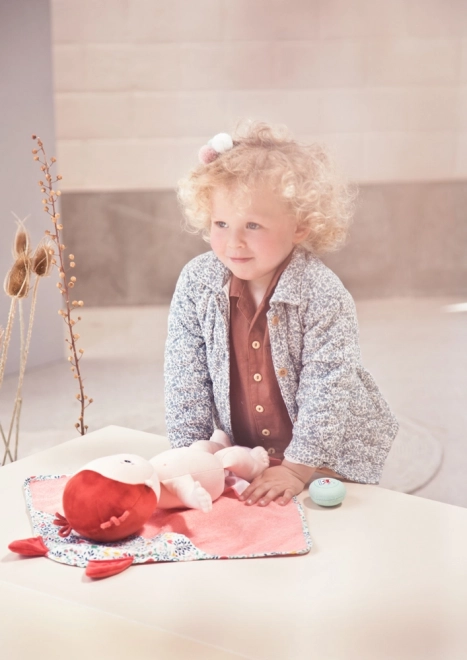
[327,491]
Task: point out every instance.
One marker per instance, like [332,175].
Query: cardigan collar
[215,275]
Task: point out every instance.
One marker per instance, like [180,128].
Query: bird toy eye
[127,460]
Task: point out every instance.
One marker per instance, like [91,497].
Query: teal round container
[327,491]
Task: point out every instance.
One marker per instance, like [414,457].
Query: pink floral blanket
[231,530]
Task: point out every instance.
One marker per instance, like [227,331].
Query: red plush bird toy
[110,498]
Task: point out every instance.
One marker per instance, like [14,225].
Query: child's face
[252,242]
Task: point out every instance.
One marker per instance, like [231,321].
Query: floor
[414,348]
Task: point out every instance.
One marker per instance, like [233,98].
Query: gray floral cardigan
[340,419]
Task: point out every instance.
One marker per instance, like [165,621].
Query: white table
[386,579]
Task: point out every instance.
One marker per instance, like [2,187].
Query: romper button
[258,377]
[256,344]
[259,409]
[266,432]
[282,372]
[271,450]
[275,320]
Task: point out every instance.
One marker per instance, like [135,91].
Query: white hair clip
[216,145]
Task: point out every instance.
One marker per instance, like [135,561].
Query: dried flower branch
[65,283]
[16,286]
[40,265]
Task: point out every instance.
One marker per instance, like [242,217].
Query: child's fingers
[257,493]
[271,495]
[247,492]
[286,497]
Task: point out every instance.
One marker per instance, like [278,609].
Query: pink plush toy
[194,476]
[112,497]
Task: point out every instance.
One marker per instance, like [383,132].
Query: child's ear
[301,232]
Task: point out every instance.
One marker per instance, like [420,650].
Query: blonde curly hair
[303,176]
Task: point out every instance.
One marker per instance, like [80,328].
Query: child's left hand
[277,483]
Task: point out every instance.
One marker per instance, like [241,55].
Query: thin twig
[25,343]
[18,415]
[6,341]
[4,442]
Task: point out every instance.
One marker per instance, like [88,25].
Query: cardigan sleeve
[188,386]
[329,360]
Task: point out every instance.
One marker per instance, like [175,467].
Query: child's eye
[220,224]
[253,225]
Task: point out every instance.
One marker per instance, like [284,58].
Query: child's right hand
[279,484]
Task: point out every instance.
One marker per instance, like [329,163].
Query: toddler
[263,337]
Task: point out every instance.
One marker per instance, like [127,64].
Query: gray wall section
[26,107]
[130,246]
[407,239]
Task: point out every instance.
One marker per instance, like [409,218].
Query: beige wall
[142,84]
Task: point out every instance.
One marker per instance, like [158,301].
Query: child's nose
[236,239]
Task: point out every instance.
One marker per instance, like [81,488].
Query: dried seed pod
[22,242]
[16,283]
[41,260]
